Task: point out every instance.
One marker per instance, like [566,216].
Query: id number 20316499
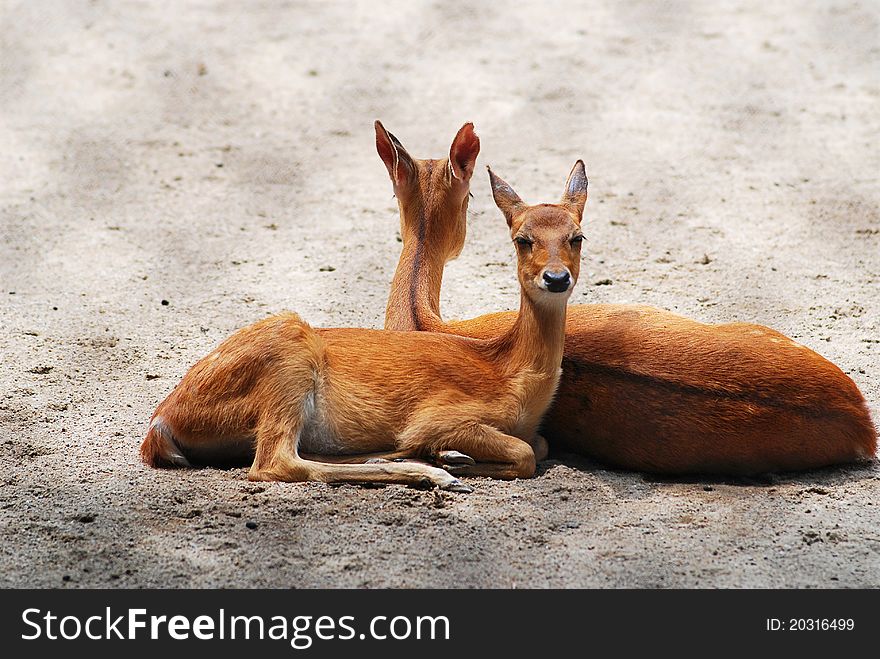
[810,624]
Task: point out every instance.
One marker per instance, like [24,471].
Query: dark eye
[576,241]
[523,242]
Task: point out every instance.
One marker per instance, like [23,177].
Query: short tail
[869,434]
[159,448]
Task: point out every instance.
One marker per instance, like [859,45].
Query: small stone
[251,524]
[164,303]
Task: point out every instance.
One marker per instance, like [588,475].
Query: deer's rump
[649,390]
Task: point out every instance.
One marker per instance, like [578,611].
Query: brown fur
[280,389]
[643,388]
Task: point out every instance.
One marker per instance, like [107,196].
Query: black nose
[557,282]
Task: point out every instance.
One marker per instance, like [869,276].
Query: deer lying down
[279,388]
[641,388]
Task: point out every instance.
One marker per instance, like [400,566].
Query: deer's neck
[414,300]
[537,338]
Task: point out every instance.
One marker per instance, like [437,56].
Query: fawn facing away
[641,388]
[279,388]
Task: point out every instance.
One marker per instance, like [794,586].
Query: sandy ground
[170,172]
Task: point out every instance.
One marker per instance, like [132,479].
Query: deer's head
[547,236]
[432,194]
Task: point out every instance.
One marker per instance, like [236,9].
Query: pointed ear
[398,162]
[575,195]
[463,152]
[505,198]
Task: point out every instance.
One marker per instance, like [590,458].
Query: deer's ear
[463,152]
[575,195]
[505,198]
[399,163]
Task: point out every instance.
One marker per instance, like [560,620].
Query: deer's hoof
[457,486]
[454,458]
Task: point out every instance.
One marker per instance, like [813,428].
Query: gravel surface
[174,171]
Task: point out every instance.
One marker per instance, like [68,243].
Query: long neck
[414,299]
[537,338]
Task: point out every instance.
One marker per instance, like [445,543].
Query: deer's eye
[522,241]
[576,241]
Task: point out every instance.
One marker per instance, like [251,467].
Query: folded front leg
[494,453]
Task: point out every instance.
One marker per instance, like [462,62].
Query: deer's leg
[493,453]
[406,473]
[277,460]
[361,458]
[496,455]
[443,458]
